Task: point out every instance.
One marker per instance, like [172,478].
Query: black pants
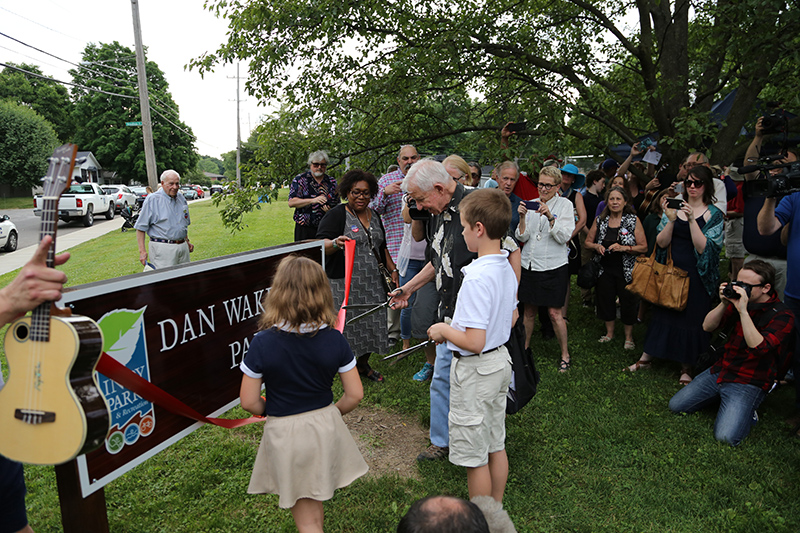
[302,233]
[609,287]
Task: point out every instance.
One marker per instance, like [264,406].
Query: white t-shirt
[486,300]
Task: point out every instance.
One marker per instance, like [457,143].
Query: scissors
[402,354]
[372,308]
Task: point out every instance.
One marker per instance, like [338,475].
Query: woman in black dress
[695,234]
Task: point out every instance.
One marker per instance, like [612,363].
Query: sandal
[563,366]
[605,338]
[373,375]
[629,345]
[639,365]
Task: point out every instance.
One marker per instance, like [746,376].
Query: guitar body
[51,409]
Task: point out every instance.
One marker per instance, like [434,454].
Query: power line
[129,84]
[12,67]
[43,26]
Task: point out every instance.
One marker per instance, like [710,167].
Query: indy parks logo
[132,416]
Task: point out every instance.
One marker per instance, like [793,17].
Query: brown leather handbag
[664,285]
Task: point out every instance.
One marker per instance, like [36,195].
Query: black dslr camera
[774,123]
[731,294]
[415,212]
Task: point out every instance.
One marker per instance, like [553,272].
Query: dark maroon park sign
[185,329]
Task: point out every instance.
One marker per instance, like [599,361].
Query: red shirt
[755,366]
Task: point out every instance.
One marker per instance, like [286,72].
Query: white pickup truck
[81,201]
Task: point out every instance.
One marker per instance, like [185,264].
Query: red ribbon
[349,257]
[113,369]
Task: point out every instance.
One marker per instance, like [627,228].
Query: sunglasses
[694,183]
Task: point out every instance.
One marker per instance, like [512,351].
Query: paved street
[67,236]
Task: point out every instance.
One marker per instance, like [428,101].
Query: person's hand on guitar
[35,284]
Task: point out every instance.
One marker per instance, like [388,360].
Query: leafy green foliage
[378,74]
[26,141]
[102,129]
[49,99]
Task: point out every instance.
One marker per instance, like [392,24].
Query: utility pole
[238,135]
[144,100]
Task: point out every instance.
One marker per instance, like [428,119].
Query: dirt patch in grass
[388,441]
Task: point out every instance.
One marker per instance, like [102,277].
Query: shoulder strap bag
[663,285]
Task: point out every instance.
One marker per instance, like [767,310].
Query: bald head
[443,514]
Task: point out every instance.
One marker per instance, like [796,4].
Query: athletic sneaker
[434,453]
[424,373]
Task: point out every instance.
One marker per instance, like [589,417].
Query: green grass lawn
[25,202]
[596,449]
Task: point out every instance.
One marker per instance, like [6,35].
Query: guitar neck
[40,319]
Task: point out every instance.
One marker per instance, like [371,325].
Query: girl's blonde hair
[300,294]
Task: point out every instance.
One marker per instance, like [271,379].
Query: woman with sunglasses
[694,233]
[354,220]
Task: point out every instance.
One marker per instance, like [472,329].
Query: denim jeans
[440,397]
[414,266]
[737,404]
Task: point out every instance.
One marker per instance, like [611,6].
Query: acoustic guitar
[51,409]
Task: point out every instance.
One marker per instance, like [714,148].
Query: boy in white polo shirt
[481,325]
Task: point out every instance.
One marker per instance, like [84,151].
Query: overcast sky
[175,31]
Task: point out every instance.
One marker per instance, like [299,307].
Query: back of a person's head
[443,514]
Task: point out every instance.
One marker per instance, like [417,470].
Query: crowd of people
[469,256]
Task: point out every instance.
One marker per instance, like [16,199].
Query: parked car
[199,189]
[123,196]
[8,234]
[189,193]
[80,202]
[217,188]
[141,193]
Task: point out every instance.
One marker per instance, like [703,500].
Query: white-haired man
[434,190]
[165,220]
[311,195]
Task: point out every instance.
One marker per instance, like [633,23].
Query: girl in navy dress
[306,451]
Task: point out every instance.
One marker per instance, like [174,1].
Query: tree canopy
[26,141]
[48,98]
[579,71]
[114,101]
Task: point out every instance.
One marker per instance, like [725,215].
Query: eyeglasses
[692,164]
[319,164]
[694,183]
[363,194]
[545,186]
[475,175]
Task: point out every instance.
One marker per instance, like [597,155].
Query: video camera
[772,186]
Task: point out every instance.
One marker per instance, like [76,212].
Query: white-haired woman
[545,269]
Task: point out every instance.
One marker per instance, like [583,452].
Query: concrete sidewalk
[15,260]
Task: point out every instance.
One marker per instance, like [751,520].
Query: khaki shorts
[478,388]
[733,238]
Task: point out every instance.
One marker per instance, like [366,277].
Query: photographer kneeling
[751,358]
